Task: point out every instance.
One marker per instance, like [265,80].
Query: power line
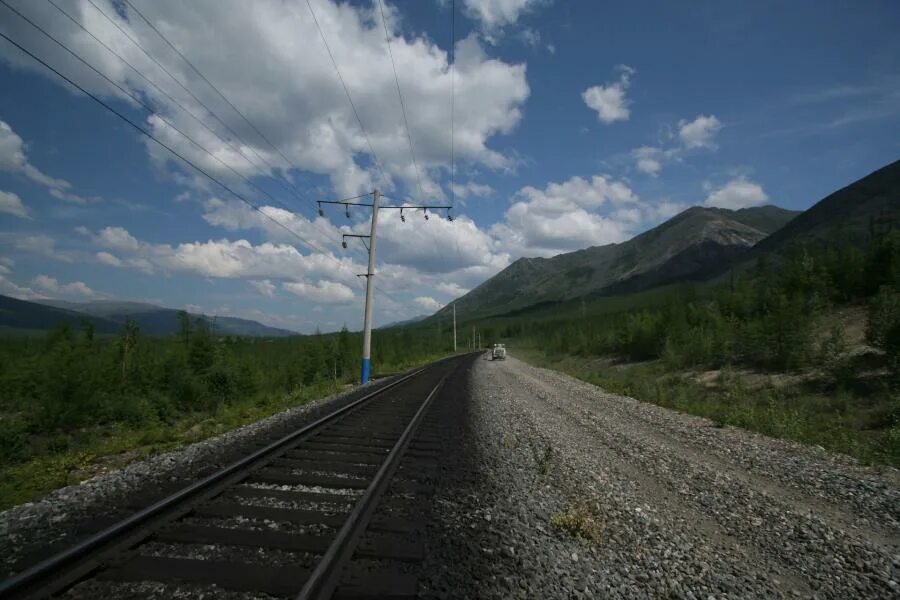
[208,82]
[412,153]
[137,99]
[238,150]
[347,93]
[293,189]
[452,98]
[161,143]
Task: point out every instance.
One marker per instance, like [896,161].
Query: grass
[856,422]
[68,458]
[580,520]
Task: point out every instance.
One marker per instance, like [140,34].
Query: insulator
[347,206]
[402,218]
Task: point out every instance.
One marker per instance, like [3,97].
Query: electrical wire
[162,144]
[412,152]
[347,93]
[452,67]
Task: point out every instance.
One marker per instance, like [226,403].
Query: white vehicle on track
[498,352]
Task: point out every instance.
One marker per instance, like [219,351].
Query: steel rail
[326,576]
[51,567]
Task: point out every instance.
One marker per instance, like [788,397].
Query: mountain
[22,314]
[404,322]
[854,210]
[152,319]
[690,245]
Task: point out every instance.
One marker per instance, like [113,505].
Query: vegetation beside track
[806,348]
[73,403]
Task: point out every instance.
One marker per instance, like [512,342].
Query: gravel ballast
[663,504]
[32,531]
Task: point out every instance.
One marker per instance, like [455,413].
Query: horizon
[564,139]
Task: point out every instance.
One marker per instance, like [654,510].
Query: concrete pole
[454,327]
[370,286]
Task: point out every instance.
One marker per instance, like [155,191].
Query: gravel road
[667,504]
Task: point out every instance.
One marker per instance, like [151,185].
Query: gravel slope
[682,508]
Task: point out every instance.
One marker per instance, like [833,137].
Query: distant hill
[690,245]
[404,322]
[22,314]
[109,316]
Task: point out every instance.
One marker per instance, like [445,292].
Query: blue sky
[576,124]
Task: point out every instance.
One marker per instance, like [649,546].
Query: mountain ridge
[108,316]
[689,245]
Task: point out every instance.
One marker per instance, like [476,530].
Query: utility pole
[454,327]
[366,367]
[370,286]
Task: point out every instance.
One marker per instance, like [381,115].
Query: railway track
[305,516]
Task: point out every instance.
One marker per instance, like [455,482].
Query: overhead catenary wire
[149,109]
[286,183]
[237,149]
[337,70]
[452,67]
[208,82]
[162,144]
[412,152]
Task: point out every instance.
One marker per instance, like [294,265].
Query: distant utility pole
[454,327]
[366,367]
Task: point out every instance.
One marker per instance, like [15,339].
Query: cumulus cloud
[471,189]
[14,160]
[496,14]
[108,259]
[609,100]
[564,216]
[11,204]
[323,292]
[223,258]
[740,192]
[428,303]
[264,287]
[51,285]
[699,133]
[289,90]
[451,289]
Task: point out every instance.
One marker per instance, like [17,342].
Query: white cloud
[117,238]
[321,292]
[12,289]
[264,287]
[11,204]
[648,160]
[737,193]
[53,286]
[699,133]
[290,92]
[227,259]
[564,217]
[496,14]
[471,189]
[41,244]
[428,303]
[609,100]
[451,289]
[108,259]
[14,160]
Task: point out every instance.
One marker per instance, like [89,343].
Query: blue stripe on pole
[366,364]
